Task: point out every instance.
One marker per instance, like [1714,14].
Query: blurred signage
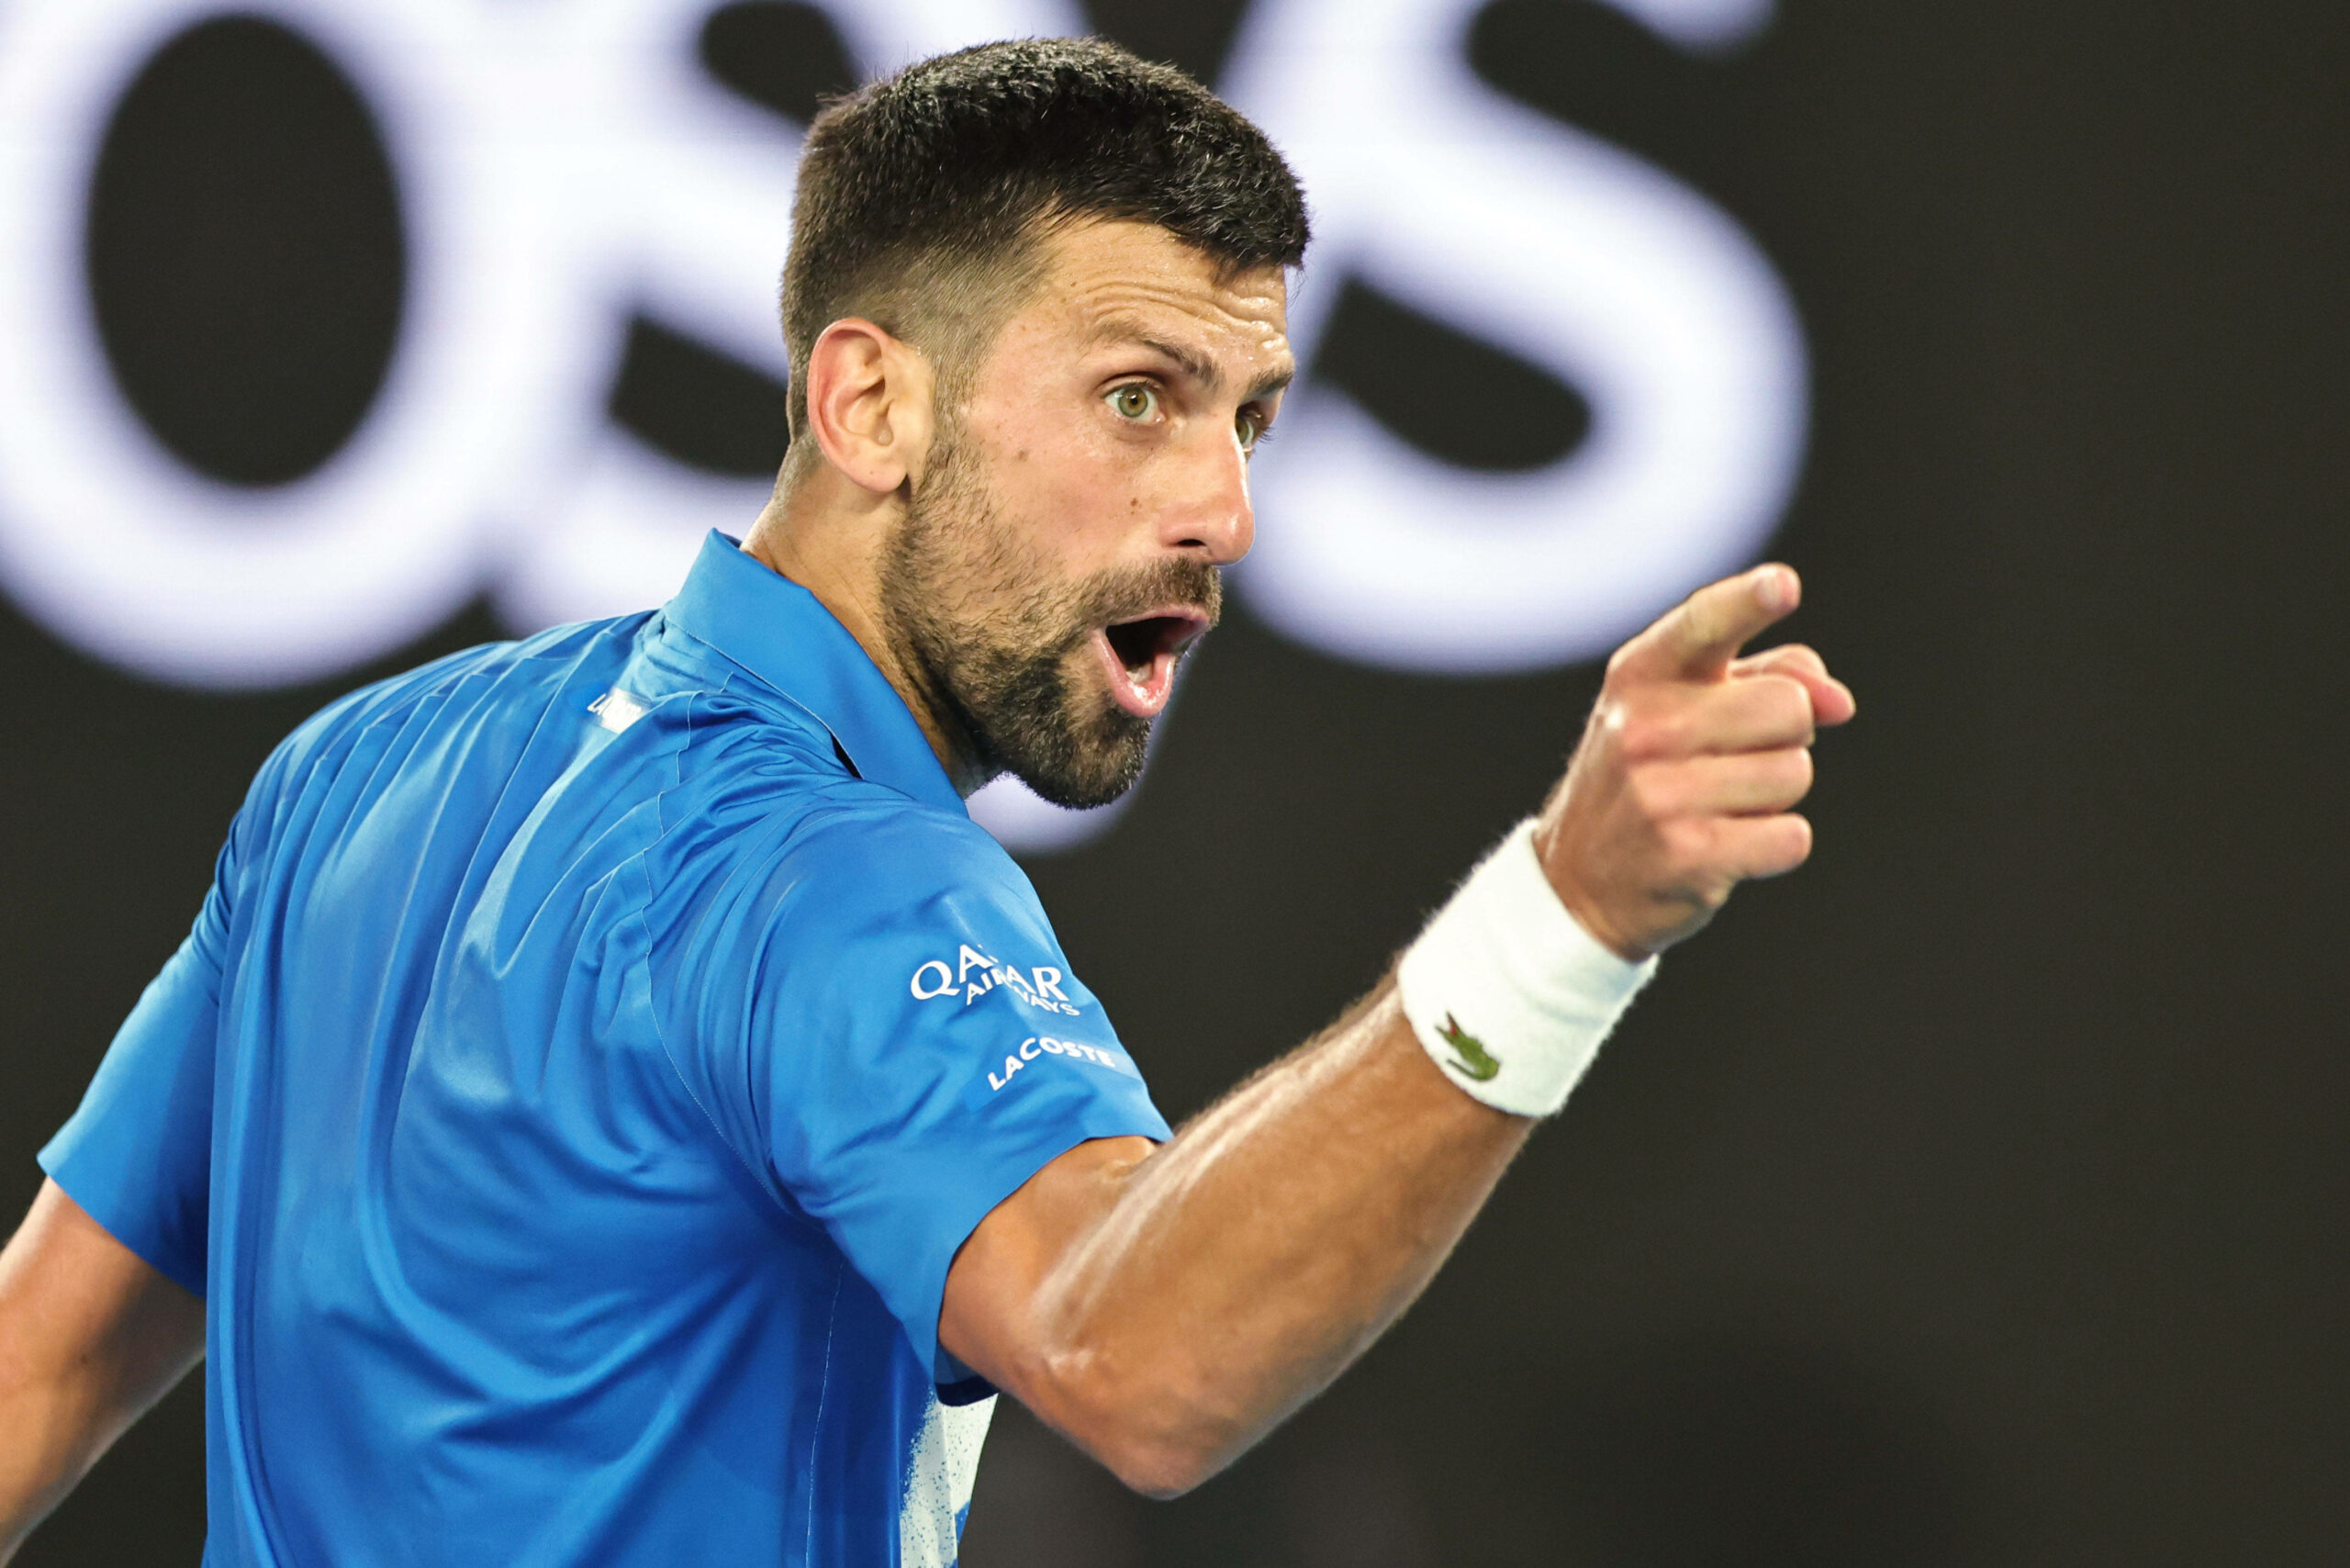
[564,207]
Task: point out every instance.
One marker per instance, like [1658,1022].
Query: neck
[831,537]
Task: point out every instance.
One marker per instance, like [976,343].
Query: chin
[1080,792]
[1083,774]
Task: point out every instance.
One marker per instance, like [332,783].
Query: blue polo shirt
[587,1060]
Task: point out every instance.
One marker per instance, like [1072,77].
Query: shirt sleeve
[137,1155]
[910,1049]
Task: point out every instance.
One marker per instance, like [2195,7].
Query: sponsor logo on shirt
[617,710]
[1036,1046]
[973,975]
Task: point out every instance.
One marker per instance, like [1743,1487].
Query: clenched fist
[1687,774]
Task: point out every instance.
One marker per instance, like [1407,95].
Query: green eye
[1249,428]
[1133,401]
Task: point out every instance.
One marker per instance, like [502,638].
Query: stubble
[1006,646]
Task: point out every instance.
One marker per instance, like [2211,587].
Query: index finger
[1696,639]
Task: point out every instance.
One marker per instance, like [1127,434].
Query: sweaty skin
[1163,1306]
[1108,433]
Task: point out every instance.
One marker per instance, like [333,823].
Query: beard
[1004,646]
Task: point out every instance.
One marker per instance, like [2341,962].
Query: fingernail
[1776,589]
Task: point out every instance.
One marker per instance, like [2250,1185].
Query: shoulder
[547,656]
[890,920]
[853,878]
[856,914]
[318,752]
[437,679]
[429,688]
[868,852]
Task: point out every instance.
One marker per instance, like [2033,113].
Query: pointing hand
[1687,774]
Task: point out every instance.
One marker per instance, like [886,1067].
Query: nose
[1212,514]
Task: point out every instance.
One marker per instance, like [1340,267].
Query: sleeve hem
[956,1383]
[143,1249]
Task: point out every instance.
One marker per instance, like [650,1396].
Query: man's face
[1061,553]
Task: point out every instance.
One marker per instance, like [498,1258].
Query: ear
[869,404]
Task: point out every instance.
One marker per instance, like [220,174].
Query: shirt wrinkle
[436,1138]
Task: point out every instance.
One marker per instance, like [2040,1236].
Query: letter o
[126,553]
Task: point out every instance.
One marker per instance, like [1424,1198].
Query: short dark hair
[924,197]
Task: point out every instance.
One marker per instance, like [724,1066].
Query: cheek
[1078,500]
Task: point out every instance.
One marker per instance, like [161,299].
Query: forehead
[1103,280]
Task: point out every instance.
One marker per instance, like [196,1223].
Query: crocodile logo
[1475,1062]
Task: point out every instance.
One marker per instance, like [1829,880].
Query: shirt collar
[784,635]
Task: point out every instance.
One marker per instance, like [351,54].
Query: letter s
[1566,251]
[685,207]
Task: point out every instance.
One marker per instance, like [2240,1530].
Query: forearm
[53,1436]
[1241,1267]
[90,1337]
[1166,1309]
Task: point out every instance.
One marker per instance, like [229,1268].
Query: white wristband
[1507,991]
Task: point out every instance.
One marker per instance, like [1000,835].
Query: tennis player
[615,1108]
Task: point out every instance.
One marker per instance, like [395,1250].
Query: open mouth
[1141,654]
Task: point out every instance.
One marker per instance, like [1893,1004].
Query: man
[617,1108]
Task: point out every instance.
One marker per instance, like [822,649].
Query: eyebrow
[1194,365]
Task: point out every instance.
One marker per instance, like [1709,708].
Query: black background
[1975,1196]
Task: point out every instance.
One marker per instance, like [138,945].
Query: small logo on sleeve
[974,974]
[1035,1047]
[1475,1062]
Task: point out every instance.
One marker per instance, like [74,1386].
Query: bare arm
[90,1337]
[1165,1308]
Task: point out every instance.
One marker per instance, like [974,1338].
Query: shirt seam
[645,929]
[823,1398]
